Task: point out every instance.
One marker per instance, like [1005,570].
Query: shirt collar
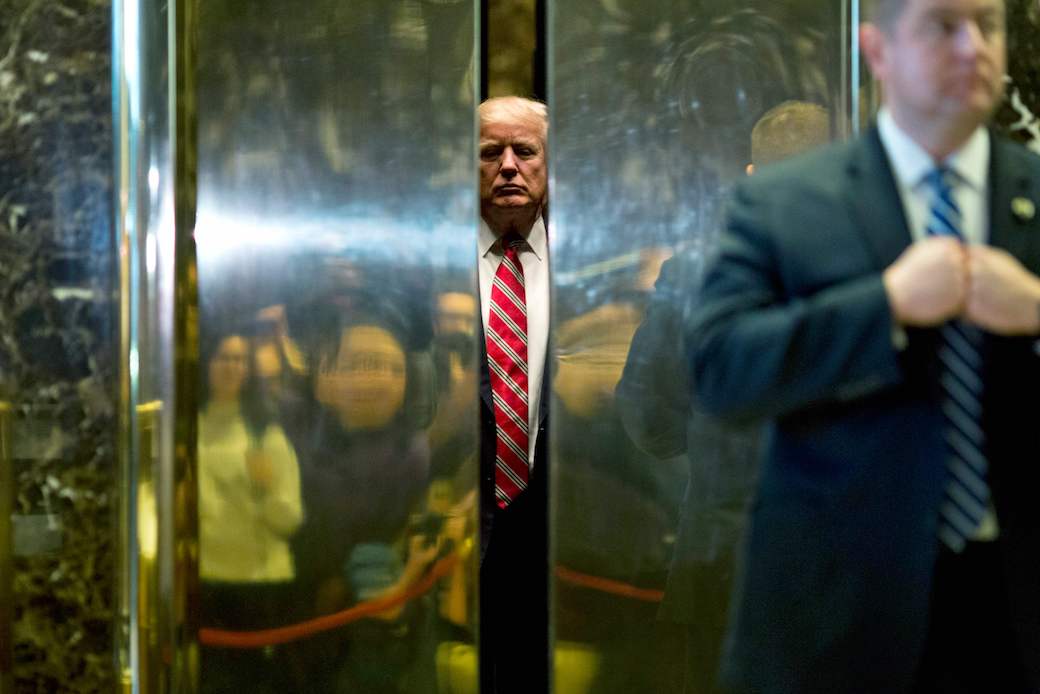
[911,163]
[536,238]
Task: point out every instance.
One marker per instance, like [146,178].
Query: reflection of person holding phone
[249,506]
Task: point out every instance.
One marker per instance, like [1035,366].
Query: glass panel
[654,107]
[336,440]
[58,349]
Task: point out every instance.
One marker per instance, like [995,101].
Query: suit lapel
[874,198]
[1012,186]
[485,376]
[543,399]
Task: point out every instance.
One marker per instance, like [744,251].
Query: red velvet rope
[295,632]
[606,585]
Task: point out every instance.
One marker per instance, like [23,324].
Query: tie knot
[512,242]
[944,218]
[942,180]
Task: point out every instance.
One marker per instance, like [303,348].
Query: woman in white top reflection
[249,507]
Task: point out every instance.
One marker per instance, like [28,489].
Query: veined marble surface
[1019,116]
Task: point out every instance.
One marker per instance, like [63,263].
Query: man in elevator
[878,303]
[513,268]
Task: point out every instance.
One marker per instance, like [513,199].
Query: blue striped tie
[967,494]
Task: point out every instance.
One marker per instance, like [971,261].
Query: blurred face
[513,174]
[268,360]
[592,351]
[440,496]
[365,381]
[228,369]
[941,63]
[456,314]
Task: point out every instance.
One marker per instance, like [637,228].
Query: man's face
[941,62]
[512,169]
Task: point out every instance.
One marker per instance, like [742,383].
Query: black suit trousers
[970,646]
[514,600]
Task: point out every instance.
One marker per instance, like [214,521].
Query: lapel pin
[1023,209]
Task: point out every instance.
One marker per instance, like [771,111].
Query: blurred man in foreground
[879,304]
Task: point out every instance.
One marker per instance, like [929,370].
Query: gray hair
[516,109]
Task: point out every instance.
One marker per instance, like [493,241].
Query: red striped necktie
[507,364]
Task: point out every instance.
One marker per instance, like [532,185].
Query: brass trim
[186,347]
[153,58]
[6,551]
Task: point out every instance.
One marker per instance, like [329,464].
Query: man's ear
[872,44]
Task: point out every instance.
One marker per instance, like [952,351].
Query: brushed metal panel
[653,104]
[335,236]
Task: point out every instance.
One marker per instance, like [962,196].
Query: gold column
[153,55]
[6,550]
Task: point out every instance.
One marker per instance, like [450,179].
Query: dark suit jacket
[657,411]
[514,561]
[795,327]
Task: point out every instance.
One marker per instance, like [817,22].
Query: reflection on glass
[335,234]
[616,510]
[364,382]
[249,507]
[650,494]
[369,464]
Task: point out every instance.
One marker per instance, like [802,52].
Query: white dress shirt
[911,165]
[534,257]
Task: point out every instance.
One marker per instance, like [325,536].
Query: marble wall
[1020,114]
[58,338]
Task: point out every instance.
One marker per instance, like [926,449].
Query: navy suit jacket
[794,327]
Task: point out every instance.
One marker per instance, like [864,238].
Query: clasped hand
[941,278]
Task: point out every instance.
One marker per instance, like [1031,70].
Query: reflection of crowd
[370,492]
[616,506]
[373,382]
[249,507]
